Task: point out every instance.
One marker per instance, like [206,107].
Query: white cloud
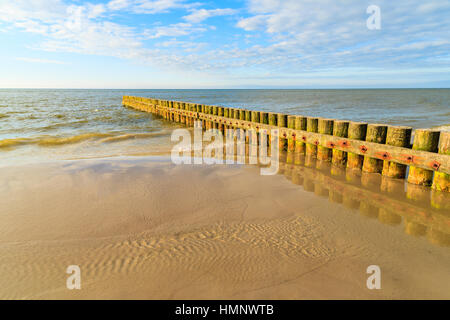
[199,15]
[44,61]
[253,23]
[173,30]
[118,4]
[145,6]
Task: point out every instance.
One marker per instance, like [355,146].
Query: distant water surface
[93,123]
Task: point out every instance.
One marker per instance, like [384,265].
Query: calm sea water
[93,123]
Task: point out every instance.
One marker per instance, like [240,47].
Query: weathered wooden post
[264,118]
[311,126]
[399,137]
[441,180]
[325,126]
[208,111]
[425,140]
[220,112]
[375,133]
[311,148]
[300,124]
[282,122]
[291,140]
[356,131]
[255,119]
[340,129]
[272,118]
[241,114]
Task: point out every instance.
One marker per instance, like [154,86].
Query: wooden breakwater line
[370,148]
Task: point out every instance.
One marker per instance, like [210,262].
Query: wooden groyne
[369,148]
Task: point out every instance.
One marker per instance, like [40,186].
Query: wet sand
[144,228]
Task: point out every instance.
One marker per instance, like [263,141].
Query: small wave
[445,127]
[29,117]
[132,136]
[3,115]
[55,141]
[9,143]
[62,124]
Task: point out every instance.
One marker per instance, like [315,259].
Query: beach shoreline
[144,228]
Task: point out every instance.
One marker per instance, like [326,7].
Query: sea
[47,124]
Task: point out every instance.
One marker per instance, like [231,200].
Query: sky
[146,44]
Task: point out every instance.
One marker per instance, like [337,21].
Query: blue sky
[223,44]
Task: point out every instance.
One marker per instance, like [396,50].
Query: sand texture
[147,229]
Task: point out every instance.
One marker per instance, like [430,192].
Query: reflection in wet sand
[424,212]
[391,201]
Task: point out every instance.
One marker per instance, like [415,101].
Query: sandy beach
[143,228]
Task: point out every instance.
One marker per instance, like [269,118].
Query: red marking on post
[284,134]
[344,143]
[316,142]
[363,149]
[406,158]
[384,155]
[304,138]
[435,165]
[331,144]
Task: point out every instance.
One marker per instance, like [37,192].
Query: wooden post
[282,122]
[340,129]
[311,126]
[215,112]
[291,140]
[220,112]
[375,133]
[207,112]
[241,114]
[226,114]
[399,137]
[325,126]
[425,140]
[441,180]
[263,118]
[357,131]
[300,124]
[255,119]
[272,118]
